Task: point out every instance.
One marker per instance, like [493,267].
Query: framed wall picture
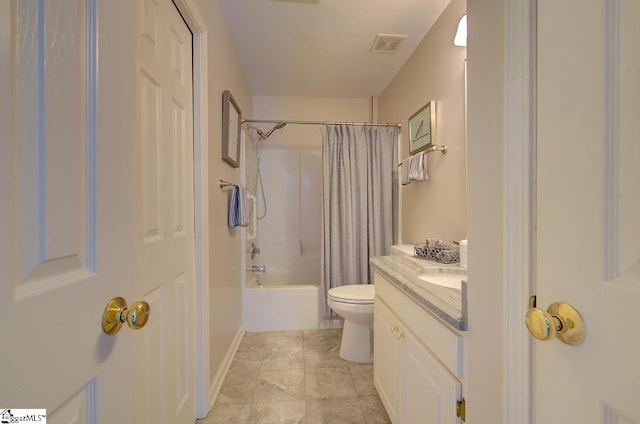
[422,128]
[231,121]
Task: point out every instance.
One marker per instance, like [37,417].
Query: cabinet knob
[399,335]
[394,328]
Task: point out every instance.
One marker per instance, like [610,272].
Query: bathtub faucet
[260,268]
[254,250]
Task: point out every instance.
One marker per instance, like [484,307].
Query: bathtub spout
[260,268]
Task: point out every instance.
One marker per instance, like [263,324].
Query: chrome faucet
[258,268]
[254,250]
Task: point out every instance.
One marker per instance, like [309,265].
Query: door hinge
[461,409]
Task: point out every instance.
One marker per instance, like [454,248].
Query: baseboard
[216,383]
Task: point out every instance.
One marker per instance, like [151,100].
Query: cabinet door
[430,391]
[386,368]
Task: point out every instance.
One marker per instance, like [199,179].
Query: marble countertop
[447,303]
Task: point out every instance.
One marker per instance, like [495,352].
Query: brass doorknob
[560,320]
[116,313]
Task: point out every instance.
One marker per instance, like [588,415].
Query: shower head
[276,127]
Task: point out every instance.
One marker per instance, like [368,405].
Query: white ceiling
[322,50]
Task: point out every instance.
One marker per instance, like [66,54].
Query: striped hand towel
[238,208]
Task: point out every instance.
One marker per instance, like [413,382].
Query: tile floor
[296,377]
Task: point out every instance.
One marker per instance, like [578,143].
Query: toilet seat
[360,294]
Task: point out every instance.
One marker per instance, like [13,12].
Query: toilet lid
[354,293]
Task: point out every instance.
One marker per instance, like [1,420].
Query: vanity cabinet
[387,358]
[417,361]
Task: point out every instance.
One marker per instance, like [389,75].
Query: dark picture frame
[231,122]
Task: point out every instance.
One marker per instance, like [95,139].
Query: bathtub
[274,307]
[278,277]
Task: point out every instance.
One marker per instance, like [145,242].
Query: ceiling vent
[386,43]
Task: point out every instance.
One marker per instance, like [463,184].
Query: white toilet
[354,303]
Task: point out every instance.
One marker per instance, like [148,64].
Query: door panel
[431,391]
[77,408]
[621,289]
[629,130]
[164,236]
[388,363]
[588,203]
[52,213]
[64,249]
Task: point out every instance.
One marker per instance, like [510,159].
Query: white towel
[414,168]
[238,208]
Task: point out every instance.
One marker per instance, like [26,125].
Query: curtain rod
[271,121]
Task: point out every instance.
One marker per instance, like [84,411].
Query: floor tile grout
[324,359]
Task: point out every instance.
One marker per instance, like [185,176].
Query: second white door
[164,216]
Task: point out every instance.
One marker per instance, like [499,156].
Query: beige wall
[486,124]
[306,109]
[224,73]
[435,71]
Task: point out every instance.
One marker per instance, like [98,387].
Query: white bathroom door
[164,383]
[65,208]
[588,208]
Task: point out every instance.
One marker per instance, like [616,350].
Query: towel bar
[224,185]
[441,149]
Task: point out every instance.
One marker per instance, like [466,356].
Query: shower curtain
[359,173]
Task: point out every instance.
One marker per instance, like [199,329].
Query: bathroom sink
[445,277]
